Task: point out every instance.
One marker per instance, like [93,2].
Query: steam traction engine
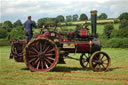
[48,48]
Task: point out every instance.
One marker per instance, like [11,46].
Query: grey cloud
[20,9]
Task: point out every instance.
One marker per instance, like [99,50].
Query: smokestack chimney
[93,22]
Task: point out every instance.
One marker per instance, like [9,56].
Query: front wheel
[99,61]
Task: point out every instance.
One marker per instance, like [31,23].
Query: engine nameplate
[68,45]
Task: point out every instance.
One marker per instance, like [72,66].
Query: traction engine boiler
[49,48]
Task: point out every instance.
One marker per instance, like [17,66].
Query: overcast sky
[19,9]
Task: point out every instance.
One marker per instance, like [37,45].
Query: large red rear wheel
[41,54]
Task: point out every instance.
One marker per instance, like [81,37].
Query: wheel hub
[100,62]
[41,55]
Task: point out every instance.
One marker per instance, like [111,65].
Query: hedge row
[115,43]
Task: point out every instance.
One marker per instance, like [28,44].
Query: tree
[3,33]
[69,18]
[83,17]
[123,24]
[8,24]
[123,16]
[123,33]
[43,21]
[33,22]
[40,22]
[108,30]
[75,17]
[102,16]
[4,26]
[17,23]
[17,33]
[60,18]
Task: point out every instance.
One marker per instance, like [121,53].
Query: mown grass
[71,73]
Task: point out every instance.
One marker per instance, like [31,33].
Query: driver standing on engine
[28,28]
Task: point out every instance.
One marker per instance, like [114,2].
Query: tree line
[8,27]
[116,38]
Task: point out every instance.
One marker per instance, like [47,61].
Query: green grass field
[71,73]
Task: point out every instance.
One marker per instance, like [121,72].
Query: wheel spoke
[51,58]
[99,66]
[51,50]
[87,64]
[105,60]
[38,64]
[102,57]
[32,52]
[96,66]
[48,61]
[86,56]
[44,45]
[32,60]
[36,60]
[46,65]
[46,49]
[15,51]
[103,66]
[42,65]
[95,61]
[37,46]
[33,56]
[40,47]
[35,49]
[49,54]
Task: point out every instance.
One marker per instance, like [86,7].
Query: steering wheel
[54,27]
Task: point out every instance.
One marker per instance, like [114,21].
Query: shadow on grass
[68,69]
[25,68]
[63,69]
[112,69]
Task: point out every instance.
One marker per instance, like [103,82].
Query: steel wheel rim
[101,63]
[37,59]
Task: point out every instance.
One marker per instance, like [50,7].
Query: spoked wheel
[41,55]
[17,51]
[84,60]
[99,61]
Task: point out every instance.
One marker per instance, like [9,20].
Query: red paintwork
[22,41]
[83,46]
[46,34]
[70,33]
[18,59]
[83,33]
